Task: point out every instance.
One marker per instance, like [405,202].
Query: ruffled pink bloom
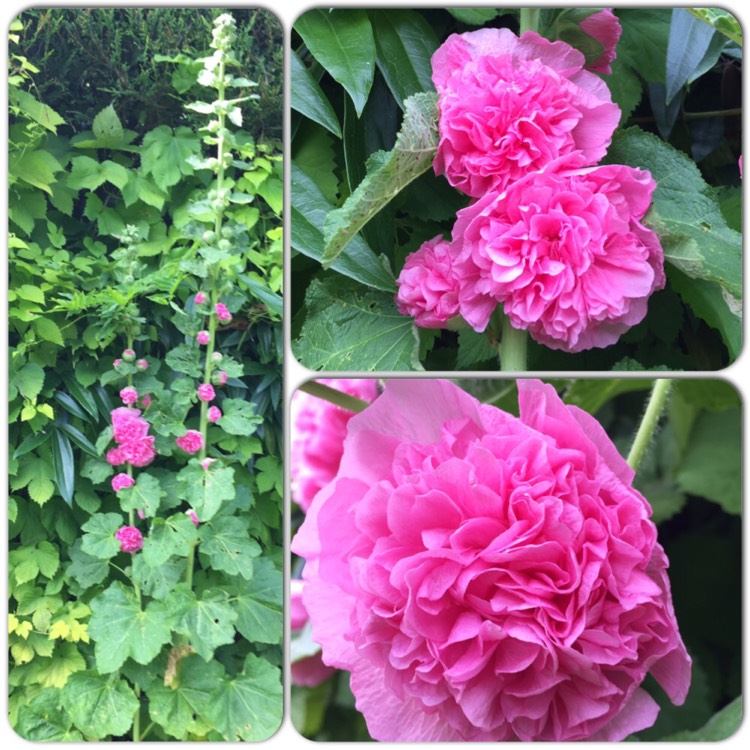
[428,285]
[129,395]
[203,337]
[139,453]
[115,457]
[128,425]
[122,482]
[191,442]
[509,106]
[214,414]
[200,298]
[318,432]
[206,392]
[605,28]
[193,516]
[131,540]
[565,253]
[489,577]
[310,670]
[222,312]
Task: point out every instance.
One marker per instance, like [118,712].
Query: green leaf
[107,128]
[145,495]
[685,212]
[209,623]
[157,582]
[82,395]
[722,20]
[721,725]
[185,358]
[474,16]
[239,417]
[48,330]
[272,301]
[141,188]
[473,348]
[166,154]
[712,304]
[30,293]
[272,192]
[100,706]
[644,41]
[387,174]
[405,43]
[29,380]
[590,395]
[86,570]
[689,40]
[227,544]
[38,112]
[37,168]
[64,466]
[89,174]
[309,99]
[78,438]
[309,210]
[180,709]
[44,720]
[99,535]
[31,442]
[349,328]
[167,537]
[259,604]
[341,40]
[41,487]
[712,464]
[249,707]
[207,490]
[121,629]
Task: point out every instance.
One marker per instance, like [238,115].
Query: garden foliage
[365,195]
[148,607]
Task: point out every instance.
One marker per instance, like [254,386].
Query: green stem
[529,18]
[512,348]
[344,400]
[146,731]
[137,717]
[190,566]
[656,403]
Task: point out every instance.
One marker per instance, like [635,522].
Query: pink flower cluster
[555,240]
[191,442]
[122,482]
[130,538]
[134,445]
[318,432]
[222,312]
[206,392]
[489,577]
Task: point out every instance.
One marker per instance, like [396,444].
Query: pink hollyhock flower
[115,457]
[203,337]
[428,286]
[605,28]
[214,414]
[489,577]
[131,540]
[308,671]
[222,313]
[191,442]
[122,482]
[129,395]
[128,425]
[318,432]
[128,355]
[200,298]
[193,516]
[509,106]
[219,378]
[206,392]
[139,453]
[565,253]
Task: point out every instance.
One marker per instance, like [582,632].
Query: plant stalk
[656,403]
[512,348]
[344,400]
[529,19]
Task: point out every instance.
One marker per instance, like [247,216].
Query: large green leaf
[259,604]
[405,43]
[100,705]
[99,535]
[341,40]
[685,212]
[591,394]
[121,628]
[349,328]
[207,490]
[36,167]
[44,720]
[145,495]
[720,726]
[167,537]
[689,40]
[249,707]
[309,99]
[33,108]
[309,210]
[227,544]
[712,464]
[166,154]
[644,41]
[722,20]
[64,465]
[181,708]
[239,417]
[387,174]
[89,174]
[208,622]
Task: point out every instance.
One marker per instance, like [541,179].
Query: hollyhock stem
[344,400]
[529,19]
[512,348]
[656,403]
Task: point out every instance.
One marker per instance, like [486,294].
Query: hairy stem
[344,400]
[529,19]
[656,403]
[512,348]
